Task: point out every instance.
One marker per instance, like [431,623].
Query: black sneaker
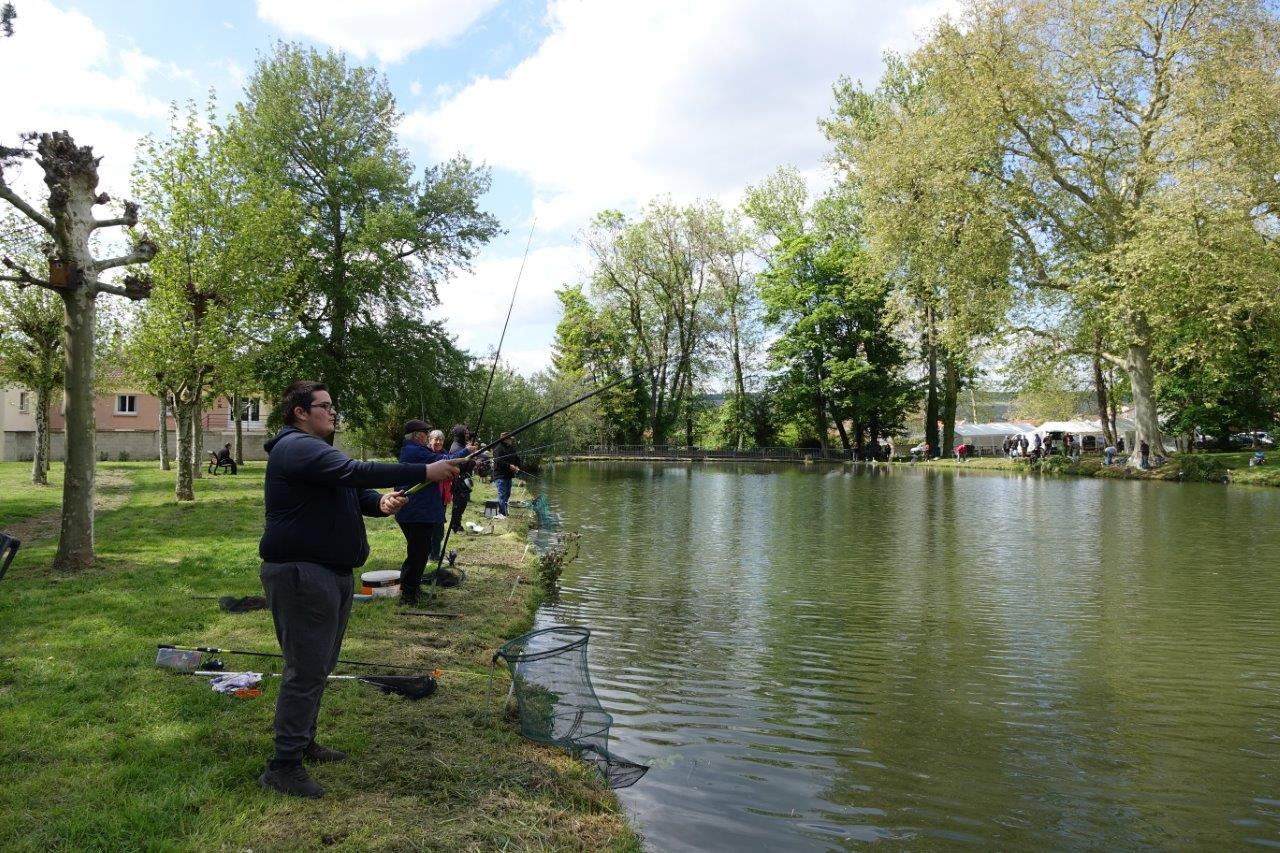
[322,754]
[291,779]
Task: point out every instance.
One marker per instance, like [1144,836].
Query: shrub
[1195,468]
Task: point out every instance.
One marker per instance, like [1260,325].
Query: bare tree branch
[24,276]
[1067,347]
[133,287]
[130,218]
[144,251]
[7,193]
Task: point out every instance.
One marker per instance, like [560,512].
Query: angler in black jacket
[314,538]
[506,464]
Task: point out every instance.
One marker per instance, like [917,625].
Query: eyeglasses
[328,407]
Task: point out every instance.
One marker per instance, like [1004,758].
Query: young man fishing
[314,538]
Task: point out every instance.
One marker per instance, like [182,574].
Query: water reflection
[815,659]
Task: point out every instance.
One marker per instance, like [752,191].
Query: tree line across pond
[1060,197]
[1045,197]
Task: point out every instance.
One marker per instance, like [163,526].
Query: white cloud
[625,101]
[93,90]
[388,29]
[474,305]
[415,88]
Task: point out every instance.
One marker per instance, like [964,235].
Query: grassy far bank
[100,750]
[1190,467]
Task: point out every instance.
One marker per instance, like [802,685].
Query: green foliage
[366,244]
[836,350]
[1119,152]
[30,318]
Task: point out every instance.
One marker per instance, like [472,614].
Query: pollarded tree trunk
[71,174]
[164,432]
[40,460]
[183,489]
[75,541]
[197,437]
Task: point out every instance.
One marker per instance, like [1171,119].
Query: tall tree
[829,305]
[1136,156]
[217,236]
[653,278]
[371,243]
[75,274]
[30,337]
[591,348]
[932,226]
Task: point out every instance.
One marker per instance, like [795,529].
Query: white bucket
[380,583]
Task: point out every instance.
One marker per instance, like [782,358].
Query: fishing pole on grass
[409,686]
[169,660]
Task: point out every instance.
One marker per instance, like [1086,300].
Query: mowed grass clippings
[100,750]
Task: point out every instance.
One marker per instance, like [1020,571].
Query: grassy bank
[1191,467]
[100,750]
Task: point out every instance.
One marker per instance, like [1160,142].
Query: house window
[250,410]
[126,404]
[24,401]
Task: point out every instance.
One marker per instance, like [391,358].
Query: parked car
[1253,439]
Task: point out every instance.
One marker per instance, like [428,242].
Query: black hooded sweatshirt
[315,495]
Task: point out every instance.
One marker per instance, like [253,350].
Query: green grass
[22,500]
[101,750]
[1214,467]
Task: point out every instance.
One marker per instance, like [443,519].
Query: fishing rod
[417,487]
[161,660]
[498,352]
[409,686]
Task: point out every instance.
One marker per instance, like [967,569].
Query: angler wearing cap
[315,496]
[422,519]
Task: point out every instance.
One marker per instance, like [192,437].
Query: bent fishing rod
[513,433]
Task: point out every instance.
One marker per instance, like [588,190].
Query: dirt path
[112,490]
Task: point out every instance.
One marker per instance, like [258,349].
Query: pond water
[815,658]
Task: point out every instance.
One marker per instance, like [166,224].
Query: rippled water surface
[814,659]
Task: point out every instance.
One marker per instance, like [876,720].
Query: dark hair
[301,393]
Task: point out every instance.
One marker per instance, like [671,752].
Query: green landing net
[543,516]
[557,704]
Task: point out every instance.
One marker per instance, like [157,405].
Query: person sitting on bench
[223,459]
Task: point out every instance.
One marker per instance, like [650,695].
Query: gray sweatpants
[309,605]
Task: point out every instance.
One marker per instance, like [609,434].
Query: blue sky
[576,106]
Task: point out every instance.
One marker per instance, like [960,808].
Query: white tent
[1076,428]
[989,435]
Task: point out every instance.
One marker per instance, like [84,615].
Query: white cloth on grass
[230,682]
